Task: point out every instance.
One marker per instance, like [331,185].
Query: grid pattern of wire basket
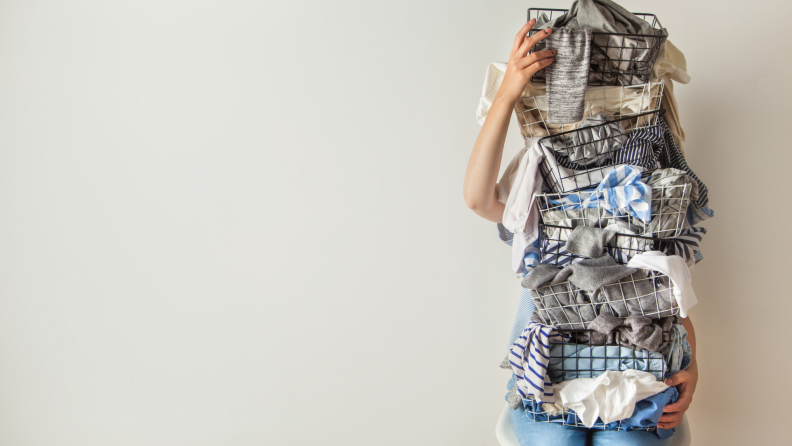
[616,58]
[669,208]
[587,359]
[566,307]
[623,247]
[568,417]
[618,102]
[579,158]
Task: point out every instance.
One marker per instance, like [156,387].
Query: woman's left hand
[672,414]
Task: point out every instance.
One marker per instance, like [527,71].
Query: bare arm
[686,380]
[481,177]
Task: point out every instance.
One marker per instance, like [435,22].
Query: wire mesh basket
[565,306]
[616,58]
[622,247]
[572,360]
[581,158]
[669,207]
[618,102]
[568,417]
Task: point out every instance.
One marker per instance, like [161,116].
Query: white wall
[241,222]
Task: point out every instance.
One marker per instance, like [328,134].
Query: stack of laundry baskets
[602,214]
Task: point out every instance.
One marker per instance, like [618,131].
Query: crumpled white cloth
[610,396]
[517,190]
[676,269]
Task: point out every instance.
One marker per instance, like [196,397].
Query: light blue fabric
[570,361]
[621,192]
[648,411]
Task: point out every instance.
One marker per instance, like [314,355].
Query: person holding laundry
[484,195]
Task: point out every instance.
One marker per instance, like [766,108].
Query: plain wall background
[242,222]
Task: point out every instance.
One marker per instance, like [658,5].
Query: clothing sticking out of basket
[624,45]
[573,296]
[597,42]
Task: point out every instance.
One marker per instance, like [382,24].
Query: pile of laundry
[603,221]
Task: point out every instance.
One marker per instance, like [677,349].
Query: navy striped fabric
[674,158]
[639,150]
[685,245]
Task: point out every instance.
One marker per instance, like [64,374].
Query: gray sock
[592,274]
[568,75]
[589,242]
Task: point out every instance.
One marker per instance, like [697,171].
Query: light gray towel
[568,75]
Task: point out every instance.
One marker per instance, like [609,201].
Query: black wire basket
[616,58]
[582,157]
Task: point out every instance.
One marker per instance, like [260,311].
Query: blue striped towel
[621,192]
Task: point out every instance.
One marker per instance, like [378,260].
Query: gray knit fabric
[636,332]
[599,15]
[568,75]
[638,294]
[589,242]
[592,274]
[575,295]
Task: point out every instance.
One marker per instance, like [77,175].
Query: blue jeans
[532,433]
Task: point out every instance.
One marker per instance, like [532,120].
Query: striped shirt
[529,357]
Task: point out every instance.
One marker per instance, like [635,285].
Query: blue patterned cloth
[621,192]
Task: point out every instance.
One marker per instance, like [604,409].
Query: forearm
[481,177]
